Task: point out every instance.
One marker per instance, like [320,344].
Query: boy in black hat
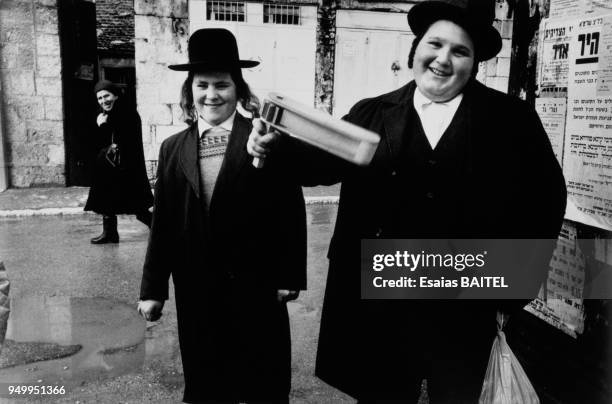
[455,160]
[231,300]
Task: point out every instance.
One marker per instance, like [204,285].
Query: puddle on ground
[110,334]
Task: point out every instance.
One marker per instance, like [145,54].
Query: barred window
[281,14]
[225,11]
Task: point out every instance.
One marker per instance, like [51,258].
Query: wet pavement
[107,335]
[73,320]
[71,200]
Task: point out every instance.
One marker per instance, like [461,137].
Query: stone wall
[30,71]
[495,72]
[161,33]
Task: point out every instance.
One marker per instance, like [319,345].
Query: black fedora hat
[213,49]
[475,16]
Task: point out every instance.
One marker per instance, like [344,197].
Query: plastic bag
[505,381]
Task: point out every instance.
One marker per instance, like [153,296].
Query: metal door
[287,52]
[369,61]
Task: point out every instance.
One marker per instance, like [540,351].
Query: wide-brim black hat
[475,16]
[213,49]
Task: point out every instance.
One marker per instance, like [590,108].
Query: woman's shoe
[109,231]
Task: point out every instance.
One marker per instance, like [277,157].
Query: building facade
[32,113]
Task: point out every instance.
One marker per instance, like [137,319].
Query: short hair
[246,98]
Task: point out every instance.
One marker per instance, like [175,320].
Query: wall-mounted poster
[554,53]
[604,75]
[577,8]
[587,156]
[565,278]
[552,114]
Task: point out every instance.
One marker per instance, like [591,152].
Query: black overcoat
[512,188]
[125,188]
[234,335]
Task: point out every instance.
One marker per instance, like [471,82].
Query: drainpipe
[3,165]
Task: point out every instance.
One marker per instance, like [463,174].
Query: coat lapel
[396,120]
[235,157]
[189,159]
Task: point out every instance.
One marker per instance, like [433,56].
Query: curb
[311,200]
[42,212]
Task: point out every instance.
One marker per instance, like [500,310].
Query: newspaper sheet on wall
[587,155]
[604,79]
[552,114]
[554,53]
[577,8]
[566,276]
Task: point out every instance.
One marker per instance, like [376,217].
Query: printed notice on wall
[556,38]
[604,72]
[598,7]
[552,115]
[587,156]
[567,8]
[576,8]
[566,276]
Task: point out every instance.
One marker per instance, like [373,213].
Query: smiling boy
[455,160]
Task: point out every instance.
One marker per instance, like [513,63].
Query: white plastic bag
[505,381]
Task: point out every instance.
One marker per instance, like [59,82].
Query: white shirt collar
[203,125]
[435,116]
[420,101]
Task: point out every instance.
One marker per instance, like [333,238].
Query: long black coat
[122,189]
[513,188]
[234,335]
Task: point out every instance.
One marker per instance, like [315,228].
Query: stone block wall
[161,33]
[495,73]
[31,98]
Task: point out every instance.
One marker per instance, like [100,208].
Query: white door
[369,60]
[286,51]
[287,60]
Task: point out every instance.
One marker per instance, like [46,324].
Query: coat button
[429,195]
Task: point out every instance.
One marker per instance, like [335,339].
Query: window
[281,14]
[122,76]
[225,11]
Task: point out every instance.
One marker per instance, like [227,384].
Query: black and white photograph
[306,201]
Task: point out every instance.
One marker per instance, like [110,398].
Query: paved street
[73,319]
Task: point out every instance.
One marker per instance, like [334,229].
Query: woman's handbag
[505,381]
[112,154]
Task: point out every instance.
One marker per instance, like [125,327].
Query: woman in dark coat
[120,184]
[231,300]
